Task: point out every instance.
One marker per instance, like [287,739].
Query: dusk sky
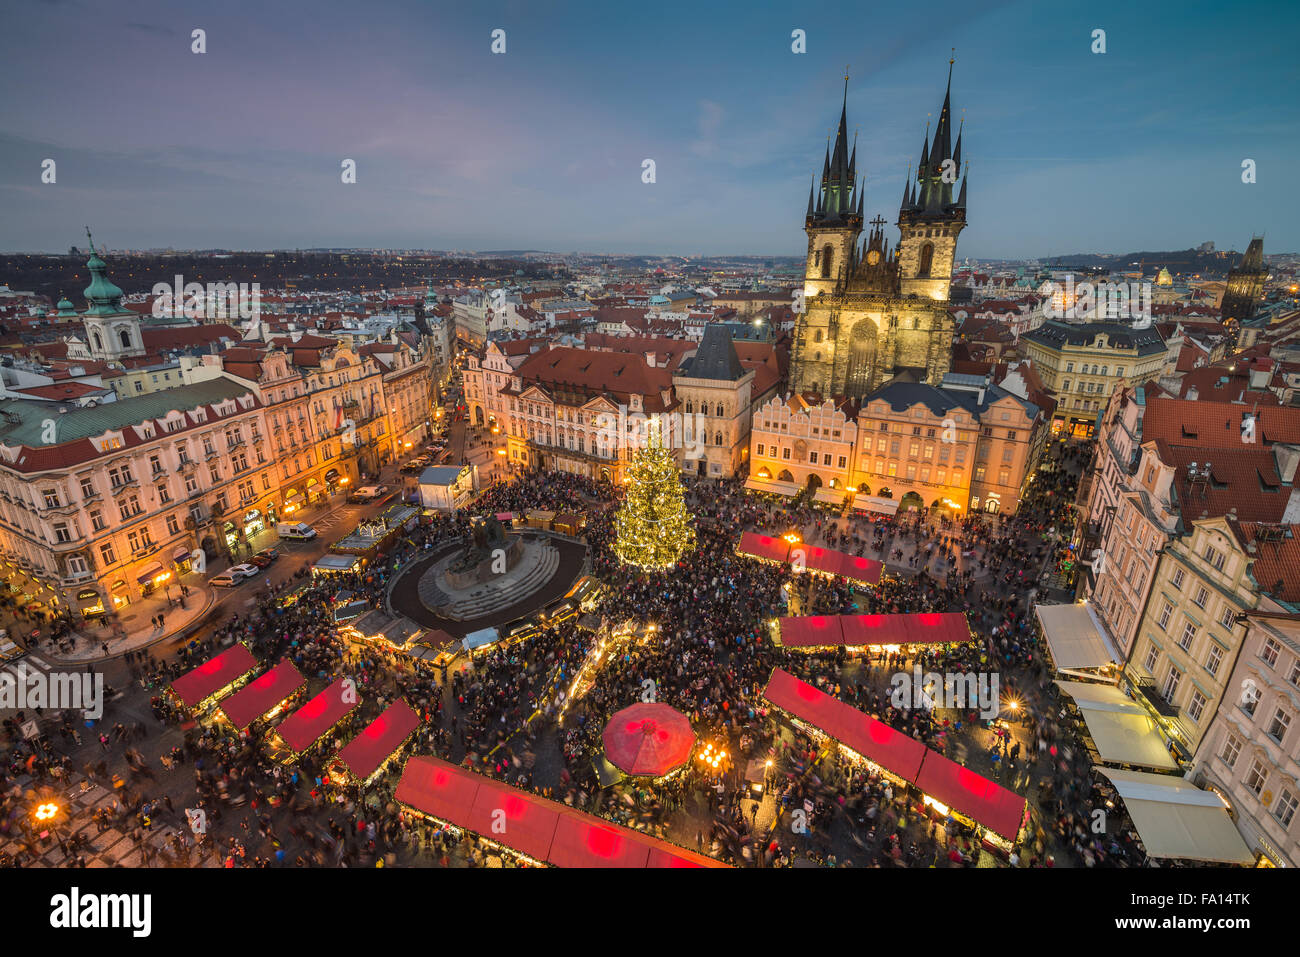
[541,147]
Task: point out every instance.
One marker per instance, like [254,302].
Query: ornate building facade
[872,312]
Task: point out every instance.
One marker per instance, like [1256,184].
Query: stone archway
[911,500]
[785,476]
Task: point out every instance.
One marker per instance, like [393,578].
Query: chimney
[1259,378]
[1192,394]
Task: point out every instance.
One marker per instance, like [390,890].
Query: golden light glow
[941,808]
[46,811]
[343,480]
[792,537]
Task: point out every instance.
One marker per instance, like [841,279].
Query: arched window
[125,337]
[720,410]
[690,407]
[96,342]
[926,261]
[718,439]
[1103,370]
[817,336]
[826,261]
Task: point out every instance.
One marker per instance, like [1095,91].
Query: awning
[812,631]
[294,499]
[477,639]
[983,801]
[1178,821]
[832,496]
[305,726]
[771,486]
[331,474]
[1074,637]
[213,675]
[1122,730]
[262,694]
[873,503]
[878,742]
[766,547]
[856,631]
[364,754]
[153,568]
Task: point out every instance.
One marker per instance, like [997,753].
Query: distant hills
[1185,262]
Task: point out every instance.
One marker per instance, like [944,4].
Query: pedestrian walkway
[135,627]
[23,667]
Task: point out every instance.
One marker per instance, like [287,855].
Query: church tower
[1245,287]
[929,220]
[111,331]
[834,218]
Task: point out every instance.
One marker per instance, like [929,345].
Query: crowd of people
[696,637]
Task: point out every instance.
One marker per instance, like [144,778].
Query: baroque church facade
[872,312]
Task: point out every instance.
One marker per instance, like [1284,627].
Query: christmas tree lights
[653,529]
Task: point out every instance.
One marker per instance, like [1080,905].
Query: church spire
[836,201]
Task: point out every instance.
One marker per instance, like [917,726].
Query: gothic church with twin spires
[872,312]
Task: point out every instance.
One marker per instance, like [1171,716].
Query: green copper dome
[105,298]
[66,309]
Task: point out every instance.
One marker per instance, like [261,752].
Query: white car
[245,571]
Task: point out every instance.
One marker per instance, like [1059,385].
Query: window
[760,449]
[155,465]
[1214,659]
[97,521]
[1278,726]
[843,461]
[164,496]
[61,532]
[812,458]
[785,454]
[1284,808]
[1177,580]
[120,475]
[173,526]
[1270,652]
[1294,677]
[214,470]
[1257,777]
[106,553]
[1197,706]
[88,488]
[1214,557]
[1231,748]
[1170,687]
[1202,596]
[1165,612]
[51,496]
[129,506]
[1188,636]
[1227,618]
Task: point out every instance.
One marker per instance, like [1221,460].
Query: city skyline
[542,147]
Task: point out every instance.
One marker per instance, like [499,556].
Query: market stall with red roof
[974,796]
[313,720]
[768,548]
[811,631]
[263,694]
[860,631]
[214,677]
[365,755]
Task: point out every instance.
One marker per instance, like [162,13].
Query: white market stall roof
[1120,727]
[771,486]
[477,639]
[1075,637]
[834,496]
[1176,820]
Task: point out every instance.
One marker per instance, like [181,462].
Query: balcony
[1157,700]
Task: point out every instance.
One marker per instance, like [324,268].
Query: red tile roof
[1276,568]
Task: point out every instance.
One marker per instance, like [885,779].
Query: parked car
[296,530]
[225,580]
[368,493]
[265,557]
[246,570]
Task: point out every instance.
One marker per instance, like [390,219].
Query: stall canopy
[214,674]
[771,486]
[302,728]
[364,754]
[812,631]
[262,694]
[1074,637]
[856,631]
[1122,730]
[1178,821]
[874,740]
[767,547]
[648,739]
[543,830]
[974,795]
[477,639]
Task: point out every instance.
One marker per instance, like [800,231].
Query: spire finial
[89,240]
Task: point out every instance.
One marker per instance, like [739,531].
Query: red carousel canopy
[367,751]
[648,740]
[262,694]
[302,728]
[214,674]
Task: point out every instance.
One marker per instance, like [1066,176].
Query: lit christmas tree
[653,528]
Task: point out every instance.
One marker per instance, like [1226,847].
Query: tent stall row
[948,786]
[859,631]
[263,694]
[1177,820]
[366,754]
[1077,643]
[768,548]
[215,677]
[540,829]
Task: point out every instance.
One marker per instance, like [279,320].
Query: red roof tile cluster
[1276,554]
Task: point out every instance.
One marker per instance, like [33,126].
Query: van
[299,530]
[367,493]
